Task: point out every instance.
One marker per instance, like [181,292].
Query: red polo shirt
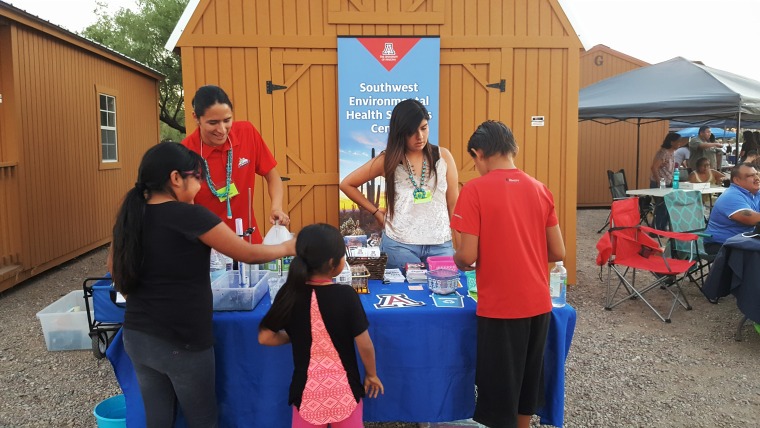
[250,156]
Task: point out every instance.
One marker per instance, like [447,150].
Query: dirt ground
[625,367]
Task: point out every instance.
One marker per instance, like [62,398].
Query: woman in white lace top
[421,189]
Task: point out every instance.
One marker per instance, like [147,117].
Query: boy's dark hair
[703,128]
[492,137]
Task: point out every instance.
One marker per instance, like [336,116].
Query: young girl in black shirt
[323,321]
[160,262]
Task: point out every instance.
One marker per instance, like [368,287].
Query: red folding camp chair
[627,248]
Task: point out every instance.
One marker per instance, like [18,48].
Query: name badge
[233,192]
[419,198]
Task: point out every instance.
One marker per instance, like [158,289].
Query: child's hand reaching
[372,386]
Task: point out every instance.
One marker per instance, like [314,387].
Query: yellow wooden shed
[609,145]
[526,47]
[75,119]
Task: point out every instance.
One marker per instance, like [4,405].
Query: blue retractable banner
[375,74]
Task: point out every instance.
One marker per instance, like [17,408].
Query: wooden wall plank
[236,16]
[60,146]
[222,16]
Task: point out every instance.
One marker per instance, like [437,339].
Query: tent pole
[638,149]
[738,130]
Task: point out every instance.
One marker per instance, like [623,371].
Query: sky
[722,34]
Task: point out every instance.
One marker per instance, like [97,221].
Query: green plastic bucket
[111,412]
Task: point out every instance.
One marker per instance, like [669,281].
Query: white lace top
[420,224]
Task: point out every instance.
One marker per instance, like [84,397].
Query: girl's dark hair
[492,137]
[750,143]
[405,120]
[152,177]
[671,138]
[208,95]
[319,248]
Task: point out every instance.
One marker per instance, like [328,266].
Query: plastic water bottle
[558,285]
[676,178]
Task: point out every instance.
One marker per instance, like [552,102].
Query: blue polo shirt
[734,199]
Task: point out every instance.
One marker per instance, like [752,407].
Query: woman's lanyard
[225,194]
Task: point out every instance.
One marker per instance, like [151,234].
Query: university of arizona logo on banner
[389,51]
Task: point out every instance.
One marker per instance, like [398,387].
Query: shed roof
[181,24]
[23,17]
[606,49]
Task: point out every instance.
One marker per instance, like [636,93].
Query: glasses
[197,174]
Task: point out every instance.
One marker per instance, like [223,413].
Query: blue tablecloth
[425,358]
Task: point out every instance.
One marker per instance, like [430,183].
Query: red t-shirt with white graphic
[509,211]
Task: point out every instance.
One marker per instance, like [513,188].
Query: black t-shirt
[344,319]
[173,299]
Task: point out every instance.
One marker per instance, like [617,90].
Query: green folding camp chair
[687,215]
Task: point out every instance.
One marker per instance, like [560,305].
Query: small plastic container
[64,323]
[230,295]
[442,281]
[275,284]
[360,279]
[441,262]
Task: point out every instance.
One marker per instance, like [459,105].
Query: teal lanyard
[212,187]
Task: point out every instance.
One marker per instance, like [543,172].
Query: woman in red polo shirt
[234,153]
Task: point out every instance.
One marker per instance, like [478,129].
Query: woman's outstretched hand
[279,217]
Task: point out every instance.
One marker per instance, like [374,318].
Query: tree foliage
[142,35]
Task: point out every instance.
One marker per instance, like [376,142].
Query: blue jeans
[168,374]
[399,254]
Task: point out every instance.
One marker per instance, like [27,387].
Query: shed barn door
[470,94]
[305,133]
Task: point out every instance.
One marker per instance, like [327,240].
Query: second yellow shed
[609,145]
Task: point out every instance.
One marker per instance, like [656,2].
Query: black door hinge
[271,87]
[502,85]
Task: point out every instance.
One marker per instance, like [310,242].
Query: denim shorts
[399,254]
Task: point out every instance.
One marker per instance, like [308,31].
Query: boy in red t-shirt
[509,227]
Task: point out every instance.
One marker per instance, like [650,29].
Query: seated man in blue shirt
[737,210]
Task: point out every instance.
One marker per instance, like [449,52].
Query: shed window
[108,128]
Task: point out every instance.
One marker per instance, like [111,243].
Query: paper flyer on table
[453,300]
